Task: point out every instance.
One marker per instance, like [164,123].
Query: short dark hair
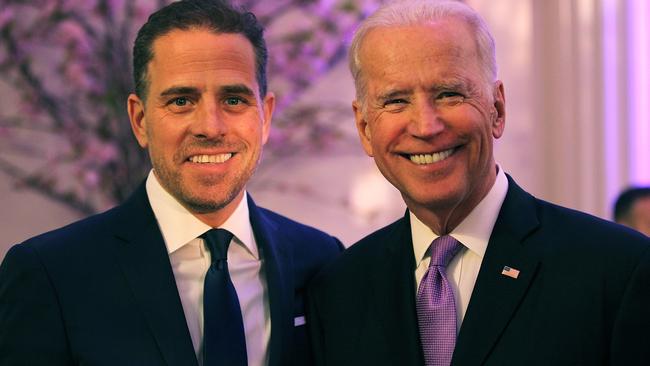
[626,200]
[218,16]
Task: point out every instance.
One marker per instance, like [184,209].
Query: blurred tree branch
[68,64]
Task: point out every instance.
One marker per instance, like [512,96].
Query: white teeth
[220,158]
[431,158]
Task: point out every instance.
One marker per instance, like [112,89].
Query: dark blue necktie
[224,343]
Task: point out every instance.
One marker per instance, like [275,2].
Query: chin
[206,200]
[204,207]
[207,205]
[434,198]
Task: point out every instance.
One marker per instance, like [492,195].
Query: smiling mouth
[207,159]
[422,159]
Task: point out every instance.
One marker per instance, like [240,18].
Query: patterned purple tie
[436,307]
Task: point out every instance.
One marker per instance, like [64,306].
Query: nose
[209,122]
[426,121]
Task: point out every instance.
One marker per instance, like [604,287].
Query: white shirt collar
[179,227]
[474,231]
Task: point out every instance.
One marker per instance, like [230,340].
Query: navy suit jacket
[582,296]
[101,291]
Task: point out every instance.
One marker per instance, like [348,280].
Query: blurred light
[639,90]
[610,97]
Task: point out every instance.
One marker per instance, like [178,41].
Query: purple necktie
[436,307]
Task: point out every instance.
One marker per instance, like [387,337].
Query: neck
[443,217]
[440,221]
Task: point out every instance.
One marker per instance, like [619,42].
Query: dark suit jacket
[102,292]
[582,296]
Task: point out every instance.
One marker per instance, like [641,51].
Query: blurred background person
[188,270]
[632,208]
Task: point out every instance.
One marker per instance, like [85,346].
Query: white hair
[419,12]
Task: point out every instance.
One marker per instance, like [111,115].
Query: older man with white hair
[477,272]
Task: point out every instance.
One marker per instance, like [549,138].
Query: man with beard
[188,271]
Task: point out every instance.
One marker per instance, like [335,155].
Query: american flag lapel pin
[510,272]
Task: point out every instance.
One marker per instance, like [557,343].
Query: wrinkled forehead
[448,37]
[411,51]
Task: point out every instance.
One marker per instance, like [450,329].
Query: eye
[180,101]
[233,101]
[181,104]
[395,104]
[448,94]
[450,98]
[395,101]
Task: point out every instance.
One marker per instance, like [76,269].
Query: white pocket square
[298,321]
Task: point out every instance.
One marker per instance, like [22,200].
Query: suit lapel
[145,264]
[391,303]
[496,297]
[278,268]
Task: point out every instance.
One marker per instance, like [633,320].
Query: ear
[363,128]
[135,107]
[267,114]
[498,117]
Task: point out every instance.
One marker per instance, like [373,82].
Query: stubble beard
[193,197]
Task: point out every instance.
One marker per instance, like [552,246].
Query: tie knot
[217,241]
[443,249]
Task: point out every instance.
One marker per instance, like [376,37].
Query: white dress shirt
[474,233]
[190,261]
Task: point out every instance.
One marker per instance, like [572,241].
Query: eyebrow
[176,90]
[226,89]
[451,85]
[394,93]
[445,85]
[237,89]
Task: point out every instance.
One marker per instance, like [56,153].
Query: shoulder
[379,240]
[304,239]
[581,225]
[69,237]
[35,261]
[589,232]
[294,227]
[303,250]
[564,228]
[565,237]
[83,237]
[352,264]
